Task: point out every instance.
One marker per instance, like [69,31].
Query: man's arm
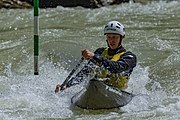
[83,74]
[80,76]
[127,61]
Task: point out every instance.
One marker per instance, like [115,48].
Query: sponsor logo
[113,90]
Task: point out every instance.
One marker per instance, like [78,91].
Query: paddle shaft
[72,72]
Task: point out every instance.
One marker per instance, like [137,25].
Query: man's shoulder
[129,54]
[99,50]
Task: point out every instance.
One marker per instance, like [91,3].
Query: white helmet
[114,27]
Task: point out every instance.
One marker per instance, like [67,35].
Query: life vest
[118,80]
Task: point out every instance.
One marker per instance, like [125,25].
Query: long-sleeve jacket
[125,64]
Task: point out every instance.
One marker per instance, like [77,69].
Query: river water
[152,33]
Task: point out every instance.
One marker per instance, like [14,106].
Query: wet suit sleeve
[126,62]
[83,74]
[80,76]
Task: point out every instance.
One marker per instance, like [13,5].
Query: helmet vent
[112,25]
[118,27]
[119,24]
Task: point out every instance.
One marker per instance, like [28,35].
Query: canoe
[98,95]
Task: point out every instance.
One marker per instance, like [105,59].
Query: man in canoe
[117,63]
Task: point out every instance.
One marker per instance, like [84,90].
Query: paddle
[69,76]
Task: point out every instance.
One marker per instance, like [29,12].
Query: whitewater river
[152,33]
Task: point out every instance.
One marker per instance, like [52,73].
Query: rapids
[152,33]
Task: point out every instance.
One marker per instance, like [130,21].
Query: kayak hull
[98,95]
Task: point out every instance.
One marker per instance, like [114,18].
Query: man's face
[113,40]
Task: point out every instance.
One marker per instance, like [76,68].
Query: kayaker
[117,63]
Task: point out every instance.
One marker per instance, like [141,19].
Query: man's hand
[87,54]
[59,87]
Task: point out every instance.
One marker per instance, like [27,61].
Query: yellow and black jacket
[118,62]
